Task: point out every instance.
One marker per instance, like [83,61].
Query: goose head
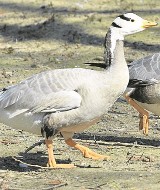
[125,24]
[129,23]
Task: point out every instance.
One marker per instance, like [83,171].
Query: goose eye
[132,20]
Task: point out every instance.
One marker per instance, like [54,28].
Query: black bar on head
[115,25]
[124,17]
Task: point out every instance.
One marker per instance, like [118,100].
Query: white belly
[154,108]
[80,127]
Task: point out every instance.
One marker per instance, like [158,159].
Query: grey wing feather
[145,71]
[59,101]
[48,91]
[8,97]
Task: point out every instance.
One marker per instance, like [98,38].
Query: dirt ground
[38,35]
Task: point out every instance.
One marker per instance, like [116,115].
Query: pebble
[21,165]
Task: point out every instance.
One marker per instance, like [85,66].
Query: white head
[130,23]
[125,24]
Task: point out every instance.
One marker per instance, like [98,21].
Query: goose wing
[45,92]
[59,101]
[145,71]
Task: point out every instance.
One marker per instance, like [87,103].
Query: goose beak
[148,24]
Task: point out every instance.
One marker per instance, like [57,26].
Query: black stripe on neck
[124,17]
[107,52]
[115,25]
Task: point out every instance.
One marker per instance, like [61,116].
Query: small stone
[23,165]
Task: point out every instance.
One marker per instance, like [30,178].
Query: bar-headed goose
[144,88]
[70,100]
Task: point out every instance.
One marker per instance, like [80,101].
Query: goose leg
[144,122]
[143,114]
[87,153]
[51,161]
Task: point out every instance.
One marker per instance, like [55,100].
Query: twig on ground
[141,157]
[101,185]
[34,145]
[6,141]
[55,186]
[31,165]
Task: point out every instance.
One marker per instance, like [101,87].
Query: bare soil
[38,35]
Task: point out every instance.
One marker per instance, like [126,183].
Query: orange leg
[143,114]
[52,162]
[87,153]
[144,123]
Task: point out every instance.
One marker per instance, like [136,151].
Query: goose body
[72,96]
[70,100]
[144,84]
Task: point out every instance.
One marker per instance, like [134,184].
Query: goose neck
[112,36]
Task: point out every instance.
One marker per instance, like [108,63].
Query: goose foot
[87,153]
[52,162]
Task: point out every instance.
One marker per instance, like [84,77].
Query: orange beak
[148,24]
